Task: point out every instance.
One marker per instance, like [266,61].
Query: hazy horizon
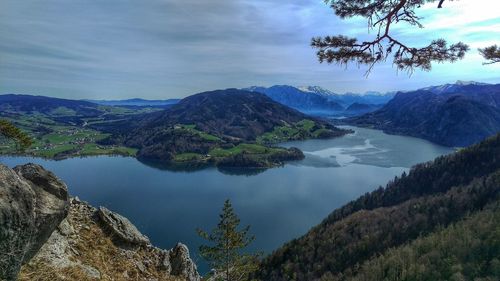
[171,49]
[173,97]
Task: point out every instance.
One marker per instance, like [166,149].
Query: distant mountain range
[453,114]
[315,100]
[308,102]
[450,88]
[136,102]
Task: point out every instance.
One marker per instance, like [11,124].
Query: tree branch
[491,54]
[381,14]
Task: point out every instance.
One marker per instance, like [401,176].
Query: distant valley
[62,128]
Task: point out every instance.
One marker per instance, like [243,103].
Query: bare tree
[381,15]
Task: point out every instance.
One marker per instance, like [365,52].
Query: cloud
[173,48]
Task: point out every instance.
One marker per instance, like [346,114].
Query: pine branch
[381,15]
[491,54]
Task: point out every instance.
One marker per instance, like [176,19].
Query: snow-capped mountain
[320,101]
[305,101]
[448,88]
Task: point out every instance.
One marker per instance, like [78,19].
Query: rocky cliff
[97,244]
[47,236]
[33,202]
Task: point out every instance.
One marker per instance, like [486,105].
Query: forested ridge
[431,196]
[467,250]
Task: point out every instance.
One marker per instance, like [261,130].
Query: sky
[159,49]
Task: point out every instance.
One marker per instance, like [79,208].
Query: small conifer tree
[225,254]
[9,131]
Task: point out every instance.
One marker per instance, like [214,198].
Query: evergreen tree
[9,131]
[491,54]
[225,254]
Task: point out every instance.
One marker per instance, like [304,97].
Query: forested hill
[452,115]
[413,207]
[234,113]
[215,126]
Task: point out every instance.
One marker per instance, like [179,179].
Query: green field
[192,130]
[299,131]
[52,139]
[217,154]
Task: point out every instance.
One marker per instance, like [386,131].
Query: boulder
[121,228]
[33,202]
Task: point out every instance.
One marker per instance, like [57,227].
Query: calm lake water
[280,204]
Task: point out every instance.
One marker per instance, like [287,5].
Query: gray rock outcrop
[121,228]
[33,202]
[181,263]
[84,235]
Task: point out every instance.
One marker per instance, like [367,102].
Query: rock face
[181,264]
[98,244]
[33,202]
[44,234]
[121,228]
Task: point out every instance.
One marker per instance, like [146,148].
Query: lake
[280,204]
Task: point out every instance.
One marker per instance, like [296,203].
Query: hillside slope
[467,250]
[12,103]
[431,195]
[459,116]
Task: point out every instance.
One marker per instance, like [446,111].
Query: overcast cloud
[173,48]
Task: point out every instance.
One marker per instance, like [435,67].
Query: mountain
[459,116]
[443,214]
[449,88]
[319,101]
[317,90]
[346,99]
[220,125]
[136,102]
[304,101]
[229,113]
